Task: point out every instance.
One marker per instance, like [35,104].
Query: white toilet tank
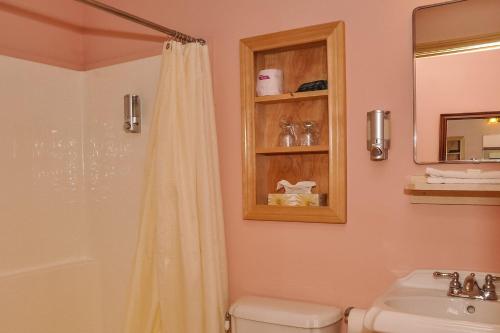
[270,315]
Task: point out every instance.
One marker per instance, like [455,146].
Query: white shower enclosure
[70,199]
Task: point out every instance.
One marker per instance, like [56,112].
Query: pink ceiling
[68,34]
[33,31]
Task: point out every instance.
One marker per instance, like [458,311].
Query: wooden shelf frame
[332,35]
[293,150]
[292,97]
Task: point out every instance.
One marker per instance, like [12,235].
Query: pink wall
[385,236]
[457,83]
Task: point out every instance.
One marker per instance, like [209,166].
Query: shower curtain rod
[139,20]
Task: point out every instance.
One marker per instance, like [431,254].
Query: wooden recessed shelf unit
[304,55]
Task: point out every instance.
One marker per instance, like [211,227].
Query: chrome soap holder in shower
[132,114]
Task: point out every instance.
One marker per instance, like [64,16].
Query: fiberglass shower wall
[71,177]
[45,272]
[114,169]
[71,189]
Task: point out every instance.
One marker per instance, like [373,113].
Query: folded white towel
[468,174]
[446,180]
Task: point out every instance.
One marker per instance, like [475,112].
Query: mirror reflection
[457,82]
[469,136]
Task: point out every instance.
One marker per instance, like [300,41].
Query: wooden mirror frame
[443,127]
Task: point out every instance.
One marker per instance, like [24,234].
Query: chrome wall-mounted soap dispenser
[378,134]
[132,114]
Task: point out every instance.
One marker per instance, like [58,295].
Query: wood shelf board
[292,150]
[322,214]
[452,194]
[436,200]
[301,36]
[292,97]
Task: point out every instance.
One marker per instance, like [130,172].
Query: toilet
[270,315]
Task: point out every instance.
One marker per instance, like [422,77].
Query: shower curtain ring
[176,37]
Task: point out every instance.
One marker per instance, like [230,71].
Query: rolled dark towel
[315,85]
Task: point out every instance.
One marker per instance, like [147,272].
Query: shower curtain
[179,284]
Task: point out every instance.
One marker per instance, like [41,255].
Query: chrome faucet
[470,288]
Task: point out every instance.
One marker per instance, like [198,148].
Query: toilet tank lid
[284,312]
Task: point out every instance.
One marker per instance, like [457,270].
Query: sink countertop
[418,303]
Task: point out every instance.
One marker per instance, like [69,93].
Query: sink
[448,308]
[418,303]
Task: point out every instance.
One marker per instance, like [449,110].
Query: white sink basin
[418,304]
[448,308]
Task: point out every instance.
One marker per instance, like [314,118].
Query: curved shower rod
[179,36]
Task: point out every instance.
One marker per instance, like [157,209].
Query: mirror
[457,82]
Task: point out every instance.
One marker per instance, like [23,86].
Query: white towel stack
[470,176]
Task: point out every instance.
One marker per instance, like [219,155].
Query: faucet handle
[489,290]
[455,285]
[492,278]
[453,275]
[489,282]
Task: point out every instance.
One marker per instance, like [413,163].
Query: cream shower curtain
[180,280]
